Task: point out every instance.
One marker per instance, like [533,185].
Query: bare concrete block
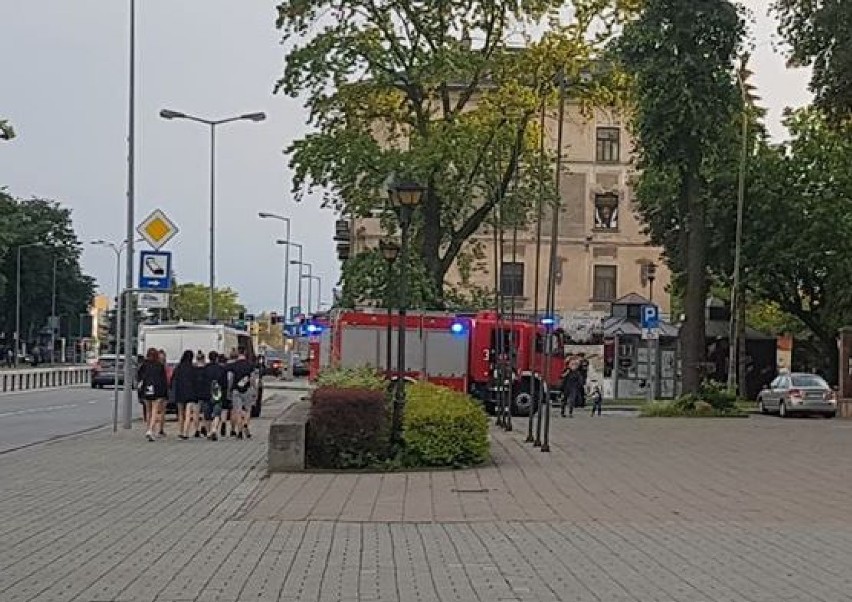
[287,439]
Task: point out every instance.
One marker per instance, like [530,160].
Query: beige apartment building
[602,252]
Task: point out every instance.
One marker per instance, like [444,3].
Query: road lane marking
[39,410]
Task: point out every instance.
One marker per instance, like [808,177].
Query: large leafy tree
[796,245]
[819,33]
[47,223]
[190,302]
[434,91]
[681,56]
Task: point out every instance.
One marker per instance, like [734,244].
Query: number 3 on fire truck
[486,355]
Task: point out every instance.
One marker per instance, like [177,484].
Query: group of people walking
[210,392]
[574,380]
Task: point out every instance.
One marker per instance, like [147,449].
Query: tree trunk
[431,244]
[692,333]
[742,344]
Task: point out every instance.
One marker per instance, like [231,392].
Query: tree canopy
[681,56]
[796,247]
[47,230]
[437,92]
[190,302]
[819,33]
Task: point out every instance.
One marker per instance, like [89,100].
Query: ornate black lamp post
[390,251]
[404,197]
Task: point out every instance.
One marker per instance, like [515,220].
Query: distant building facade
[603,253]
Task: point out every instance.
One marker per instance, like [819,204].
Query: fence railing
[43,378]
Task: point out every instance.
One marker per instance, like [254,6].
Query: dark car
[103,372]
[300,368]
[273,364]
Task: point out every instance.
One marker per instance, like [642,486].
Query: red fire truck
[466,352]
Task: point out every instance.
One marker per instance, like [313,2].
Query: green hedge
[442,427]
[352,378]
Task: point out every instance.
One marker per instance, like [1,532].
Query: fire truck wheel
[523,402]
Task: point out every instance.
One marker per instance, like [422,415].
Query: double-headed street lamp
[404,197]
[286,220]
[256,117]
[287,244]
[118,249]
[309,276]
[390,252]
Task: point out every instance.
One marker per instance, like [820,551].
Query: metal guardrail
[43,378]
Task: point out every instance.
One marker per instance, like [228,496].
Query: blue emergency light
[313,329]
[548,321]
[457,328]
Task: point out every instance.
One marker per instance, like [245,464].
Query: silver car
[798,393]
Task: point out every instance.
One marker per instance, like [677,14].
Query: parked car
[798,393]
[103,372]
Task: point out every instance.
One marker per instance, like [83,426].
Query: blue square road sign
[650,316]
[155,270]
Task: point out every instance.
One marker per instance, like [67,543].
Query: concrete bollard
[288,439]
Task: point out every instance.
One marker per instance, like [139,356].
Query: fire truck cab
[510,356]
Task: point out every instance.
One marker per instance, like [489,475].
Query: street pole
[53,317]
[18,309]
[131,199]
[551,272]
[211,308]
[319,292]
[542,392]
[256,117]
[399,392]
[119,299]
[287,277]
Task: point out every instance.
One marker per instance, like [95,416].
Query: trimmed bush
[442,427]
[352,378]
[686,407]
[347,428]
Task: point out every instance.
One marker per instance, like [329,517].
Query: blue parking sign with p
[650,316]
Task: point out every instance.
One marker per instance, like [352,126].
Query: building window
[605,284]
[609,145]
[512,279]
[606,212]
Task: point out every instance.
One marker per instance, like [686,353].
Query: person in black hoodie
[214,389]
[183,388]
[154,387]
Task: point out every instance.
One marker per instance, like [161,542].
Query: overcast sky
[63,84]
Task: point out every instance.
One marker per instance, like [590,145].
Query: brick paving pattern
[622,509]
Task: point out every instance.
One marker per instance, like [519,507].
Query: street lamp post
[319,291]
[390,251]
[212,124]
[118,249]
[309,276]
[18,299]
[286,220]
[737,302]
[404,196]
[287,243]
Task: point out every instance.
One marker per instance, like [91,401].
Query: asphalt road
[37,416]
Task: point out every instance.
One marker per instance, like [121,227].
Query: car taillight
[831,396]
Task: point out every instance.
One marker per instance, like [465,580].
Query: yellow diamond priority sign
[157,229]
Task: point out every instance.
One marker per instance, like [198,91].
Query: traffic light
[273,318]
[343,237]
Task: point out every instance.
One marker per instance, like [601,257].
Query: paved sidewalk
[623,509]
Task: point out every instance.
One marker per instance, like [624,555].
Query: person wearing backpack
[241,373]
[154,387]
[215,383]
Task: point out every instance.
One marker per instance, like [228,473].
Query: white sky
[63,84]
